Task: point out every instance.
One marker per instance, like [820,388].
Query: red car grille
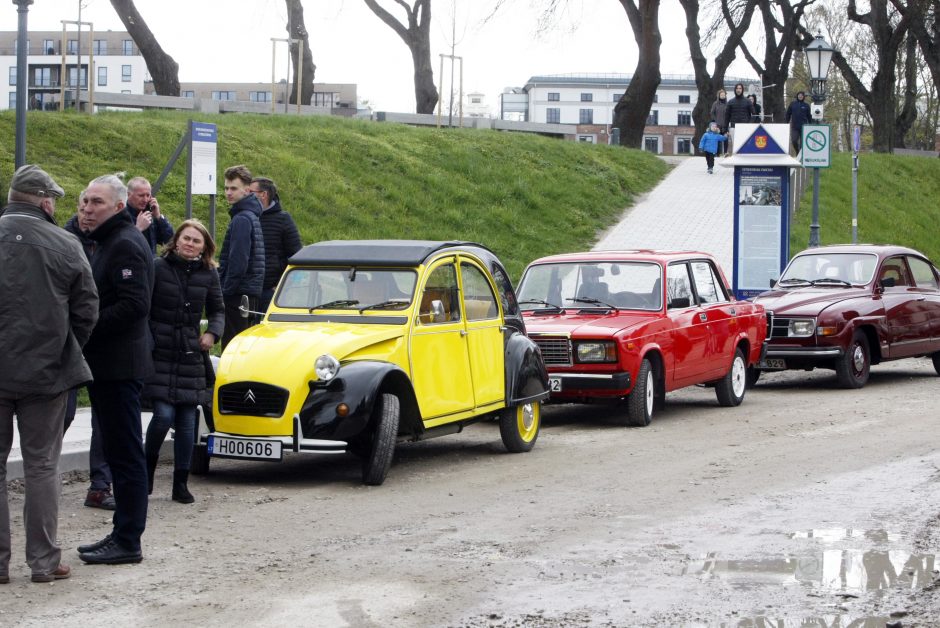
[556,351]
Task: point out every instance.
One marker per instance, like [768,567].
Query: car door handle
[703,317]
[463,332]
[732,312]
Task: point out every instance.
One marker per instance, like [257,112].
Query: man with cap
[48,309]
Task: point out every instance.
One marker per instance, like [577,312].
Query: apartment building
[110,58]
[339,98]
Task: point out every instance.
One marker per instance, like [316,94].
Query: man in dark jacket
[798,114]
[48,308]
[119,354]
[281,239]
[241,262]
[739,109]
[144,210]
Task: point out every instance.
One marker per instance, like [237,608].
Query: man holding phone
[144,210]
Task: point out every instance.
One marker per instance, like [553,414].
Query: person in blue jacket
[710,144]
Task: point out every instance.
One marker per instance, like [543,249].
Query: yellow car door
[484,335]
[440,365]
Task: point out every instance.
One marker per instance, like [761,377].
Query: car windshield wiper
[832,280]
[385,304]
[335,304]
[592,301]
[541,302]
[795,280]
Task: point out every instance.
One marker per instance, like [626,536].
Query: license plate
[772,363]
[554,384]
[245,448]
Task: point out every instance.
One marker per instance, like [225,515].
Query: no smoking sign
[816,147]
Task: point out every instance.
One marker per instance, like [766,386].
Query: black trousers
[235,323]
[117,404]
[710,159]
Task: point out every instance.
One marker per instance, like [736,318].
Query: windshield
[346,288]
[829,268]
[622,285]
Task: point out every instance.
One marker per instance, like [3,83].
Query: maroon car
[850,306]
[635,325]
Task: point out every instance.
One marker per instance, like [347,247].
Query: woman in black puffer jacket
[186,283]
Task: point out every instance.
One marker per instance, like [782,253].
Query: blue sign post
[761,197]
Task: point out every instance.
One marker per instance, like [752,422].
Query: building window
[72,47]
[651,144]
[685,99]
[73,76]
[102,75]
[48,46]
[12,99]
[125,91]
[653,118]
[16,46]
[127,47]
[218,95]
[125,74]
[188,93]
[259,96]
[554,96]
[587,97]
[586,116]
[587,139]
[684,146]
[12,75]
[617,97]
[553,115]
[42,77]
[100,47]
[685,118]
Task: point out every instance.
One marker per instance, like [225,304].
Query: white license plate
[245,448]
[554,384]
[772,363]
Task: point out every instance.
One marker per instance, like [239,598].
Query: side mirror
[243,306]
[888,282]
[773,282]
[437,311]
[680,302]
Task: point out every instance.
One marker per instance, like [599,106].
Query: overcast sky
[230,40]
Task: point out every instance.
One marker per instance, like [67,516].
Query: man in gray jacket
[48,309]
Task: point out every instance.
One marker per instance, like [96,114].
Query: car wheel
[199,465]
[752,375]
[936,362]
[853,367]
[641,401]
[379,454]
[730,389]
[519,426]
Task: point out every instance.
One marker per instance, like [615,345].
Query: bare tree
[737,14]
[163,69]
[296,29]
[417,36]
[925,27]
[631,112]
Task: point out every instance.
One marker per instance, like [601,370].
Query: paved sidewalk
[689,210]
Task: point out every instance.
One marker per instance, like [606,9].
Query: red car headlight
[596,351]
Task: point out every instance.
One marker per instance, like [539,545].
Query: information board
[761,228]
[202,155]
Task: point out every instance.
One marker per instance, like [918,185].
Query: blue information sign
[761,227]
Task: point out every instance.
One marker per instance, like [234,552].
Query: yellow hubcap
[527,419]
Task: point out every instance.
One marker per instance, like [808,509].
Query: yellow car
[374,342]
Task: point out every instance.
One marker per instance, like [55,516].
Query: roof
[636,255]
[883,250]
[373,252]
[619,79]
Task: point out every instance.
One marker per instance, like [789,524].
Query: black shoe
[181,492]
[84,549]
[111,554]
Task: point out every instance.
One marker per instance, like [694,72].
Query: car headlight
[600,351]
[801,328]
[326,367]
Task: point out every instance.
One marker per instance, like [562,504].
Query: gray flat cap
[30,179]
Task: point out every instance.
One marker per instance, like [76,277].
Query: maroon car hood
[808,301]
[584,324]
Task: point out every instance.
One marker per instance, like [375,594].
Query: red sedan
[635,325]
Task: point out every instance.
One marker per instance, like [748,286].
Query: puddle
[827,621]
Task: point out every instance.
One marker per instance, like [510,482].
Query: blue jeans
[182,418]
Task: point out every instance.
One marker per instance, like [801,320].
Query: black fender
[526,375]
[357,385]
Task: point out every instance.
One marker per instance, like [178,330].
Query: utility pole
[22,81]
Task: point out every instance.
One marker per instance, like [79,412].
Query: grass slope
[897,203]
[522,195]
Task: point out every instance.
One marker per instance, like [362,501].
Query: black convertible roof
[374,252]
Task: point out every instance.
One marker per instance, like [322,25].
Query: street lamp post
[22,82]
[818,58]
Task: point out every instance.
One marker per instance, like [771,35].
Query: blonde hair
[208,253]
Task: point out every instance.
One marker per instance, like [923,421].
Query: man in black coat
[119,353]
[798,114]
[144,210]
[739,109]
[281,239]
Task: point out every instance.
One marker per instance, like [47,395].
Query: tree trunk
[296,29]
[924,20]
[417,36]
[908,114]
[631,112]
[163,69]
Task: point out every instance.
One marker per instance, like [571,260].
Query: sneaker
[100,499]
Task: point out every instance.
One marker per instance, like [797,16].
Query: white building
[110,57]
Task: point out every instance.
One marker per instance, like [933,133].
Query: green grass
[522,195]
[897,203]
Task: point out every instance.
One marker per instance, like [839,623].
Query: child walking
[710,144]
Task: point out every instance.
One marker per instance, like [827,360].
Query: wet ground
[807,506]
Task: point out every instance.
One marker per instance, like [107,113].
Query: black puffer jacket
[740,109]
[241,262]
[182,290]
[281,240]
